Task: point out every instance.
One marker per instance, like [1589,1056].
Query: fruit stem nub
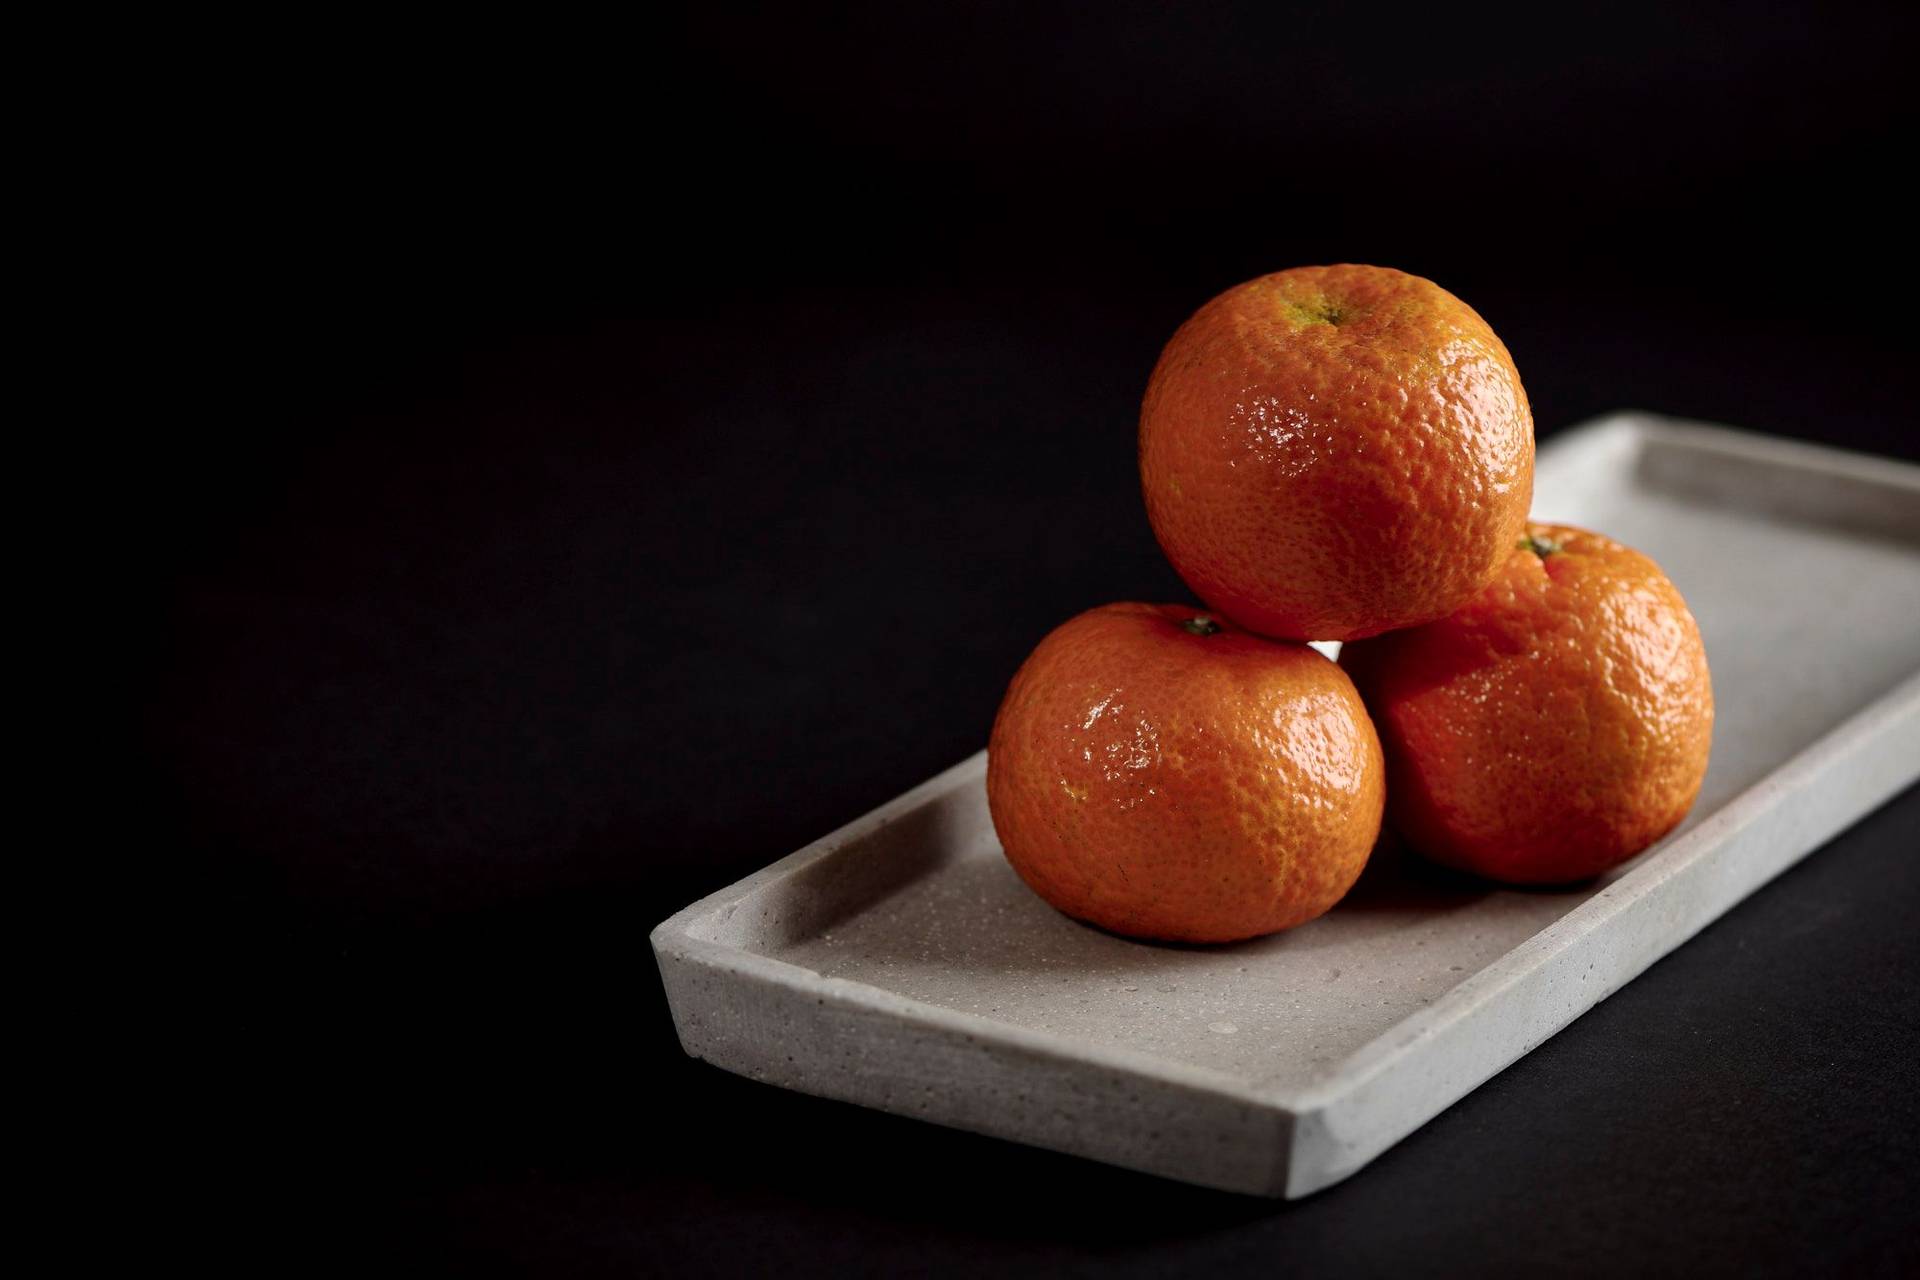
[1201,625]
[1542,547]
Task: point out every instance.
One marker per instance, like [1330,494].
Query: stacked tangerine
[1345,453]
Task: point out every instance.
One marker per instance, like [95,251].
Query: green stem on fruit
[1542,547]
[1201,625]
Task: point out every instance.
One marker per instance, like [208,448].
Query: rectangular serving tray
[899,963]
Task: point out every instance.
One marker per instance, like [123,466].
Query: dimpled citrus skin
[1188,787]
[1552,728]
[1333,452]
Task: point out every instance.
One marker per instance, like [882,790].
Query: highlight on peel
[1160,772]
[1329,453]
[1555,725]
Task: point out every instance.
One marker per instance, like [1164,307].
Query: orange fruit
[1164,774]
[1334,452]
[1556,725]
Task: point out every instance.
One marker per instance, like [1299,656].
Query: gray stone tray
[898,963]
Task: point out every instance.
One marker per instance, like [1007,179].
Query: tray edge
[1761,832]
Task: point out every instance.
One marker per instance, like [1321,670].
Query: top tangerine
[1333,452]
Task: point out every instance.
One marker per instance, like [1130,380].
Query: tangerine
[1556,725]
[1162,773]
[1333,452]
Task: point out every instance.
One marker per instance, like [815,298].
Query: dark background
[600,462]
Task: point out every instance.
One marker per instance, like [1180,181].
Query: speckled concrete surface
[901,964]
[1281,1010]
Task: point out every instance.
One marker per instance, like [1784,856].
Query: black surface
[608,463]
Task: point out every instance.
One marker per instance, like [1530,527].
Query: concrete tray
[898,963]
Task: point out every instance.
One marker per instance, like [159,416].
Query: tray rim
[1322,1110]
